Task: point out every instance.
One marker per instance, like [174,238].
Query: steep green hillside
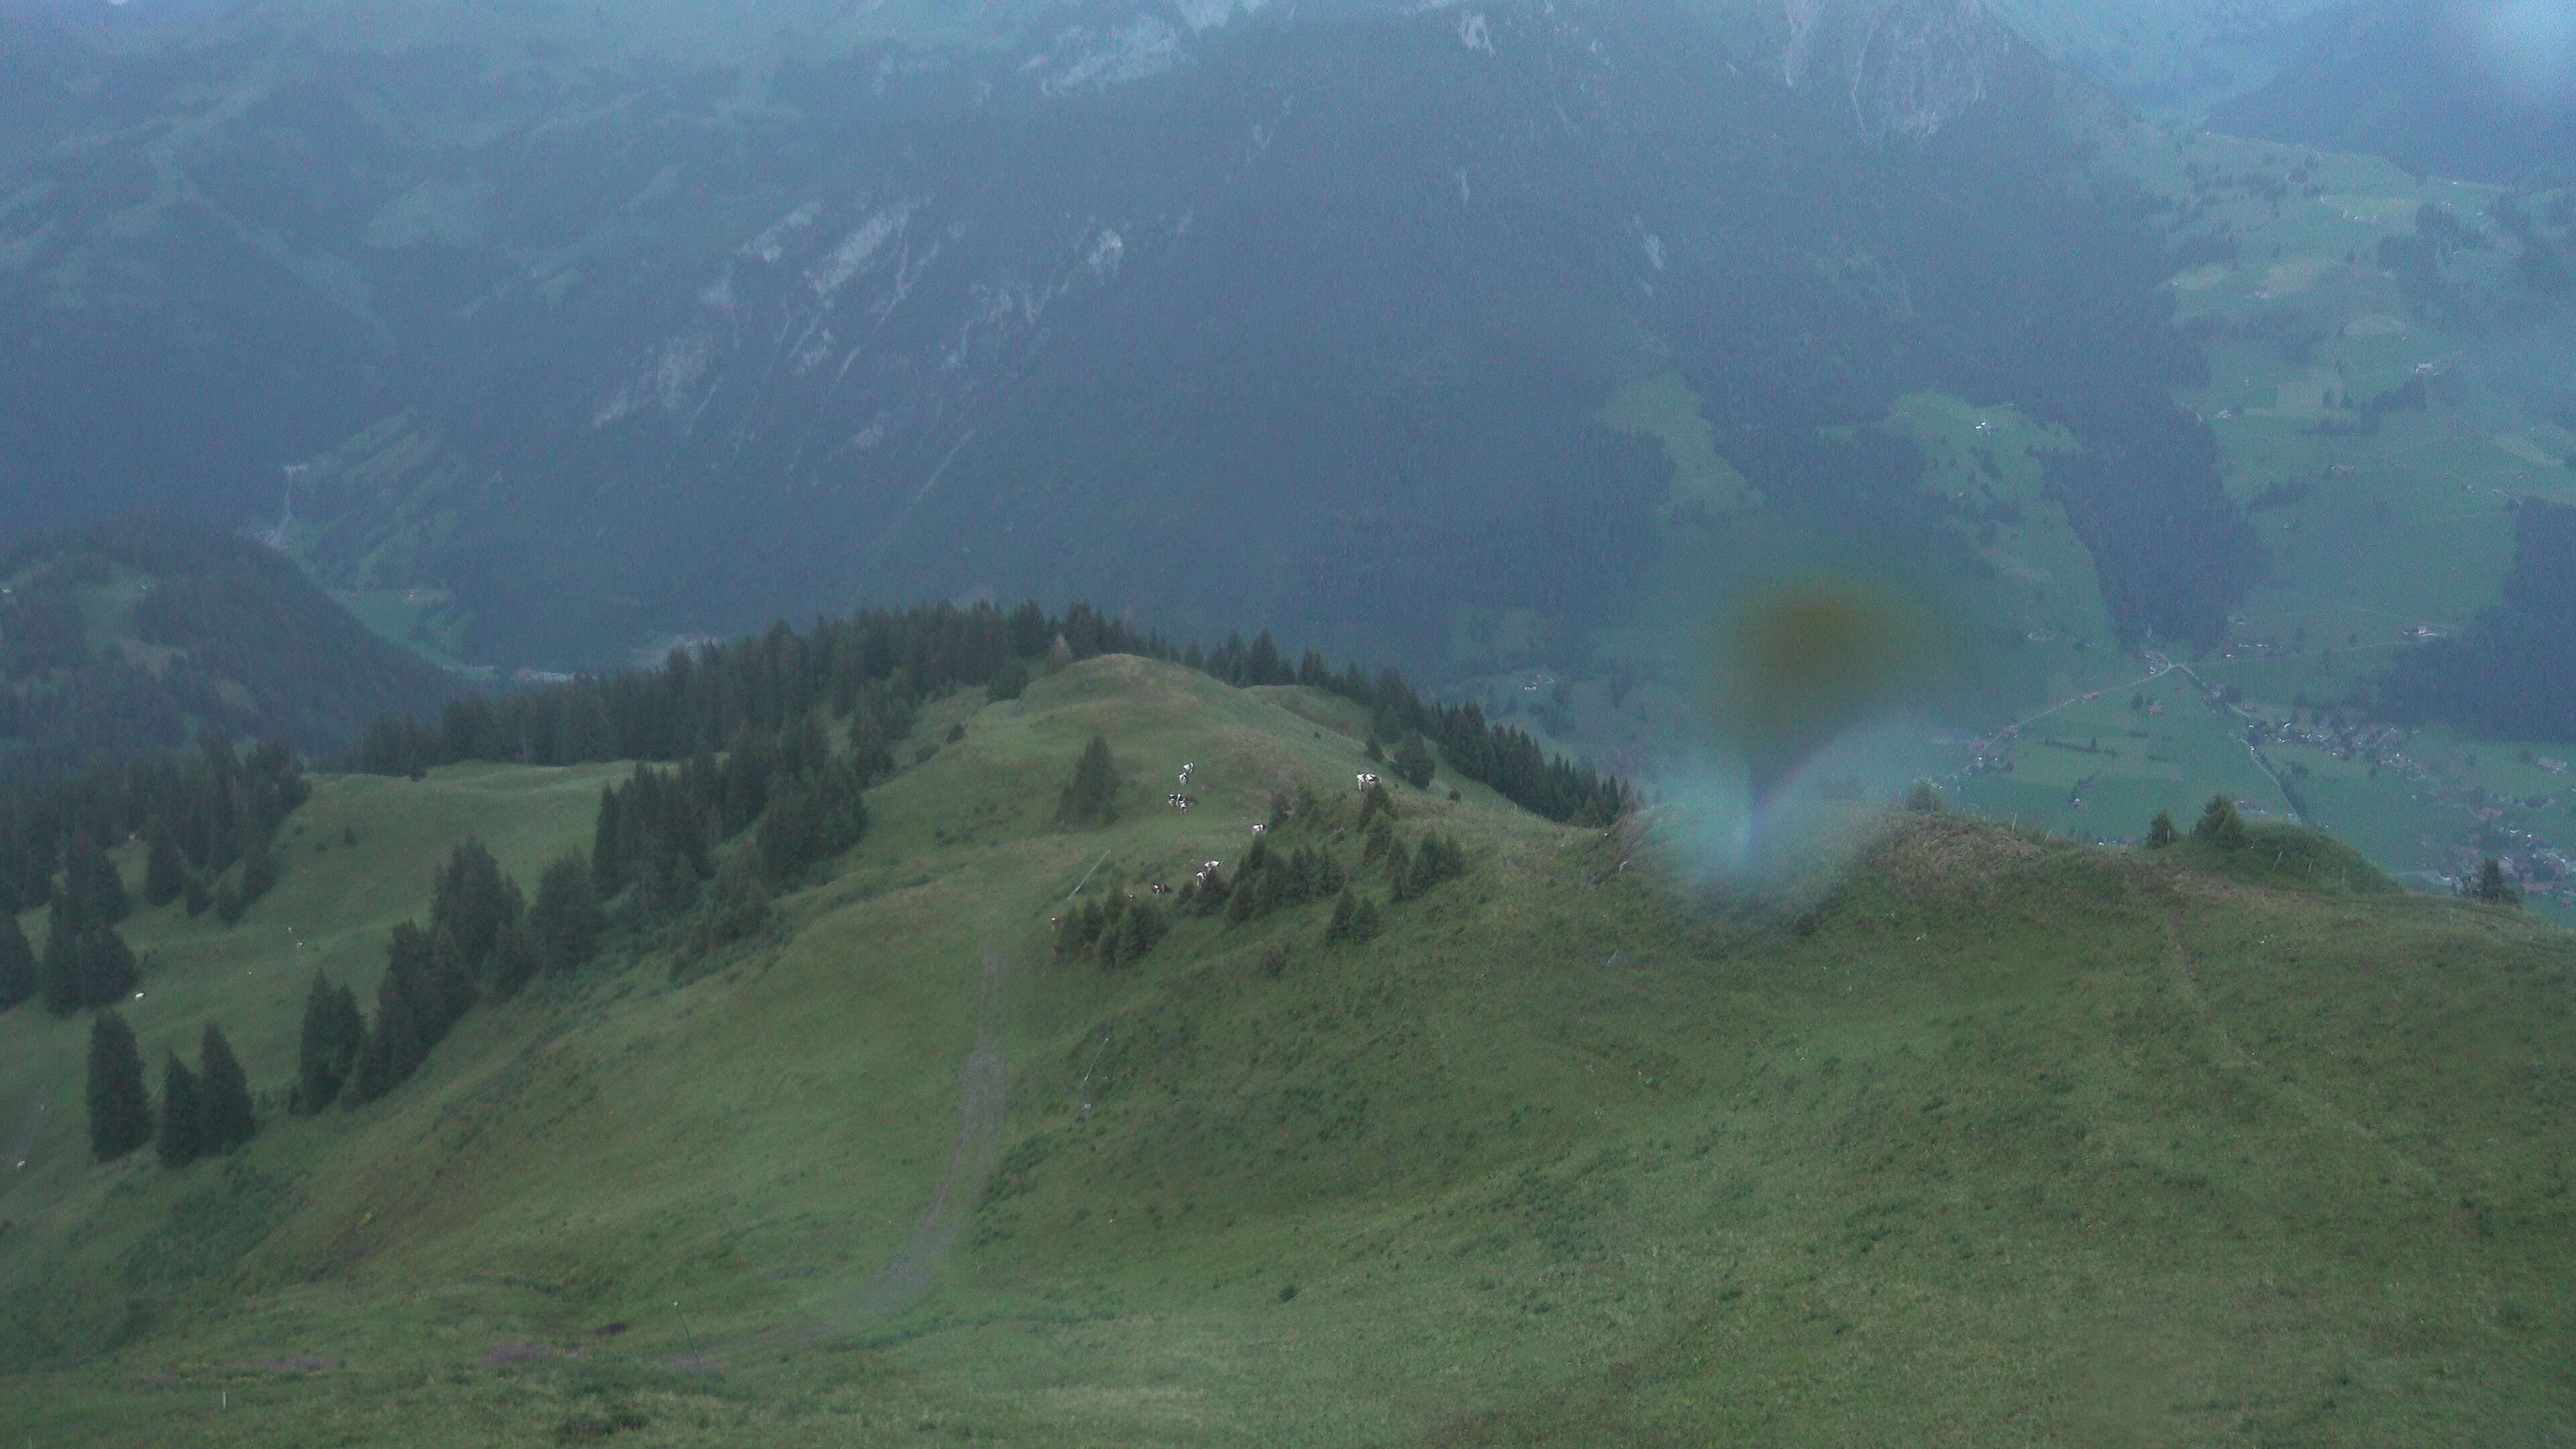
[1981,1138]
[130,638]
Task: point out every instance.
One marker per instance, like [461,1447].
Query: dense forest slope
[1973,1137]
[131,638]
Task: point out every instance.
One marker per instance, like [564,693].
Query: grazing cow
[1367,783]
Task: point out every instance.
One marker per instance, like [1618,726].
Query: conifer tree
[609,869]
[183,1119]
[120,1109]
[108,967]
[2492,886]
[165,875]
[515,961]
[1345,910]
[97,892]
[17,964]
[61,977]
[2221,824]
[226,1115]
[1413,762]
[1366,921]
[737,908]
[260,872]
[1091,796]
[334,1036]
[566,921]
[199,895]
[471,902]
[2162,831]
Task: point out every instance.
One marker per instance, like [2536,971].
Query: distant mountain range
[1234,313]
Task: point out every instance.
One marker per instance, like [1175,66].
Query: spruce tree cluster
[1091,796]
[197,815]
[86,964]
[2162,831]
[1272,879]
[1414,872]
[1356,920]
[120,1108]
[1119,933]
[333,1040]
[426,990]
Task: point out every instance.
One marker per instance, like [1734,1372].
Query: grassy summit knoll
[1999,1139]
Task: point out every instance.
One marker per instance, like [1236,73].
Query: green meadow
[1961,1135]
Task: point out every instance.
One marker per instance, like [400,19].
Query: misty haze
[1287,722]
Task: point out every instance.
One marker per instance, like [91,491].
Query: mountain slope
[1235,314]
[2484,89]
[130,638]
[1986,1137]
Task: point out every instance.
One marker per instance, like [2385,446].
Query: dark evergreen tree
[1091,796]
[1413,762]
[515,961]
[200,897]
[737,908]
[1345,911]
[108,968]
[260,872]
[97,892]
[17,964]
[183,1115]
[609,870]
[471,902]
[1924,798]
[120,1108]
[2492,886]
[566,922]
[165,875]
[227,1118]
[334,1036]
[62,977]
[1366,921]
[2162,831]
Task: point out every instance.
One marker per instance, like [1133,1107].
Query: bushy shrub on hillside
[2162,831]
[2221,825]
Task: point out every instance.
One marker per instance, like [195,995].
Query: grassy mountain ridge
[1984,1136]
[129,638]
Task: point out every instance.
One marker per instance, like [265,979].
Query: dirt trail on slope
[906,1278]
